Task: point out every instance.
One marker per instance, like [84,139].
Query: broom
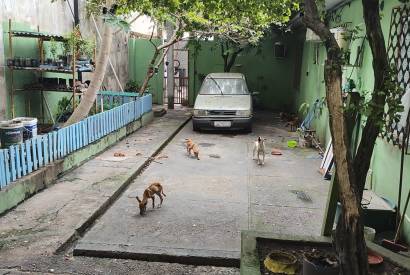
[392,244]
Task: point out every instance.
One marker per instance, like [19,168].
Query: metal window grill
[399,54]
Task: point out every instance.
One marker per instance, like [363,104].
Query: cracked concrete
[210,201]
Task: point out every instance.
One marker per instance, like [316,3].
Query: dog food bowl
[292,143]
[281,262]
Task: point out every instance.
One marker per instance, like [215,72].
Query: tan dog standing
[192,148]
[149,193]
[259,149]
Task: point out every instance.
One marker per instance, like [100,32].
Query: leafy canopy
[233,19]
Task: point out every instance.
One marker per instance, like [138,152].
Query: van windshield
[225,86]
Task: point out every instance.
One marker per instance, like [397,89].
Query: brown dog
[192,148]
[153,189]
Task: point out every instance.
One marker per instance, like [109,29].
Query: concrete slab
[53,217]
[209,201]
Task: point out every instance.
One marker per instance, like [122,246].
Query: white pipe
[109,59]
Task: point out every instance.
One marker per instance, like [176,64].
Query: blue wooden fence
[22,159]
[107,100]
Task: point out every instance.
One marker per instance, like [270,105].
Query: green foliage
[245,20]
[82,46]
[64,108]
[53,49]
[386,115]
[86,47]
[132,86]
[116,21]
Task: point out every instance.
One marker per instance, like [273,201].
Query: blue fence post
[71,138]
[64,142]
[45,149]
[85,131]
[7,162]
[28,153]
[34,150]
[39,152]
[55,145]
[50,147]
[23,159]
[18,162]
[13,163]
[3,181]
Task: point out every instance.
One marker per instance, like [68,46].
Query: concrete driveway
[209,201]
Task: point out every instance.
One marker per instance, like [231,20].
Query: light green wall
[272,77]
[28,103]
[140,53]
[386,158]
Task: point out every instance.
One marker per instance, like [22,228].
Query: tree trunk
[89,96]
[150,72]
[224,56]
[349,239]
[380,66]
[232,60]
[152,66]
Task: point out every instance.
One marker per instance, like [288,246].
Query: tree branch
[380,66]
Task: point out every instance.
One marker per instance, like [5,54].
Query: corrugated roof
[44,36]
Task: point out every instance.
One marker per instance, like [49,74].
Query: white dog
[259,148]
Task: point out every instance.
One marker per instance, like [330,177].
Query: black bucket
[11,133]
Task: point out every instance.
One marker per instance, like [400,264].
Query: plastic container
[30,126]
[11,133]
[292,143]
[369,233]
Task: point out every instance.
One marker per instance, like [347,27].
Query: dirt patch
[215,156]
[298,249]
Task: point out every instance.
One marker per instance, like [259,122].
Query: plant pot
[312,266]
[83,58]
[17,61]
[64,59]
[27,62]
[34,62]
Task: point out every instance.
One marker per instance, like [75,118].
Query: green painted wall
[274,78]
[140,53]
[29,103]
[386,158]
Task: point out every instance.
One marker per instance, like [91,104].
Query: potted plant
[53,50]
[83,48]
[86,49]
[71,43]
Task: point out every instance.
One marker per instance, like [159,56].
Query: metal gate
[180,77]
[181,91]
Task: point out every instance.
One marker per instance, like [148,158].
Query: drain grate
[302,195]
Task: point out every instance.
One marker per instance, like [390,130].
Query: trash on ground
[276,152]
